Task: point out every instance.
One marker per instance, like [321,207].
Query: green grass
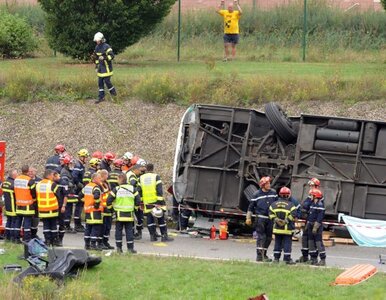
[149,277]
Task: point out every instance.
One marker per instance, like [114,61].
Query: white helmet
[128,155]
[157,212]
[141,162]
[98,37]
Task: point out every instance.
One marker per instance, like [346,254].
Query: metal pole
[179,31]
[304,29]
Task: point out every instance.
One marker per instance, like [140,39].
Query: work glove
[315,228]
[248,220]
[279,222]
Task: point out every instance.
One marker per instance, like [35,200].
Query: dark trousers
[61,226]
[315,243]
[264,229]
[101,84]
[305,242]
[87,234]
[50,229]
[139,217]
[11,233]
[128,227]
[184,218]
[151,224]
[70,211]
[27,224]
[283,242]
[96,233]
[107,222]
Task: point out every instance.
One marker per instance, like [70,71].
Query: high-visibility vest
[9,198]
[124,203]
[24,200]
[48,205]
[93,215]
[131,175]
[105,195]
[149,184]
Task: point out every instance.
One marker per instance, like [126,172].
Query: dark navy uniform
[259,205]
[104,165]
[87,176]
[11,233]
[67,181]
[315,231]
[113,178]
[283,213]
[104,68]
[133,180]
[78,174]
[53,162]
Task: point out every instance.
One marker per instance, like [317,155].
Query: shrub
[16,37]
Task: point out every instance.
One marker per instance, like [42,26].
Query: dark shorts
[231,38]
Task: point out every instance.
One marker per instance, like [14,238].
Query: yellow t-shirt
[231,21]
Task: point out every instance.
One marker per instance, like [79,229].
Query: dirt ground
[32,130]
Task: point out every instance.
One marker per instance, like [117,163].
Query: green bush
[383,4]
[16,37]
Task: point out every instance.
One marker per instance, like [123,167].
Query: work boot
[138,235]
[93,245]
[58,242]
[321,263]
[100,100]
[79,228]
[69,229]
[290,262]
[102,246]
[107,244]
[259,258]
[153,238]
[314,261]
[276,260]
[119,249]
[87,246]
[157,234]
[166,238]
[302,259]
[130,249]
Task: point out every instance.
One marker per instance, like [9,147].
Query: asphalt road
[184,245]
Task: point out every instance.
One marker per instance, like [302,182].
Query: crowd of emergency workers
[125,187]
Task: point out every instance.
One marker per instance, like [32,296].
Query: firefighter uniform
[283,212]
[78,174]
[87,176]
[259,205]
[25,194]
[305,210]
[67,181]
[104,67]
[107,216]
[48,209]
[104,165]
[60,194]
[53,162]
[92,197]
[124,198]
[151,195]
[113,177]
[11,234]
[315,231]
[134,181]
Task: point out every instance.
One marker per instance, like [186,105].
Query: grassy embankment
[148,277]
[346,59]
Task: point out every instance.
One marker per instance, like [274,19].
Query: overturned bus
[222,152]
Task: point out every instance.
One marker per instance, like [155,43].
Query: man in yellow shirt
[231,26]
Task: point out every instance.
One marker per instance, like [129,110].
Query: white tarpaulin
[366,232]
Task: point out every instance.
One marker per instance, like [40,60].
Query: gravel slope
[33,129]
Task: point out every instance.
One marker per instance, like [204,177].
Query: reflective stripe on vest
[124,200]
[148,184]
[89,200]
[10,208]
[24,200]
[48,205]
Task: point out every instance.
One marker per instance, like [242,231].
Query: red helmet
[109,156]
[118,162]
[60,148]
[97,154]
[66,159]
[264,180]
[285,192]
[316,193]
[314,182]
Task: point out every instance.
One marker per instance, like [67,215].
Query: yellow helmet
[83,153]
[94,162]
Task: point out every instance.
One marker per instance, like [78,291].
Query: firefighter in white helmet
[103,60]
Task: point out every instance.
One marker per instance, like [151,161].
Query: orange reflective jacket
[48,205]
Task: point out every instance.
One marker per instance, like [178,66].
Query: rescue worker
[259,205]
[67,181]
[127,157]
[151,194]
[283,213]
[123,199]
[94,165]
[132,178]
[77,174]
[25,194]
[92,196]
[11,234]
[107,212]
[47,194]
[53,162]
[32,172]
[62,200]
[97,154]
[115,172]
[315,228]
[106,162]
[305,210]
[104,66]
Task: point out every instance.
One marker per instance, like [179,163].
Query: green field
[151,277]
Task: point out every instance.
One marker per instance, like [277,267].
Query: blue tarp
[366,232]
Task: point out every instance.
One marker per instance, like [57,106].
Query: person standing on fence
[231,27]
